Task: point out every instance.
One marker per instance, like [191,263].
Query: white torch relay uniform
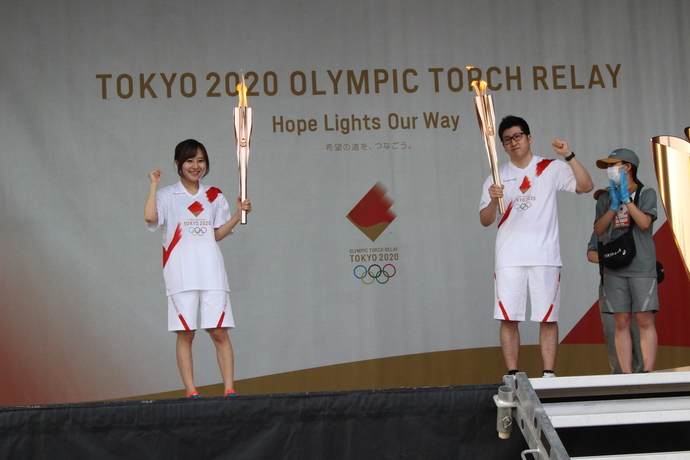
[192,260]
[528,231]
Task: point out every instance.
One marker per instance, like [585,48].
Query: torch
[484,104]
[672,164]
[243,117]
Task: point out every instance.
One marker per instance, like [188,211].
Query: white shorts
[214,307]
[510,288]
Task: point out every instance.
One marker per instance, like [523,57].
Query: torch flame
[476,87]
[479,86]
[242,93]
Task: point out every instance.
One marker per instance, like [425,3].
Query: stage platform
[636,416]
[451,422]
[410,423]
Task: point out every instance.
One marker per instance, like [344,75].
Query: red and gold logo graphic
[372,215]
[196,208]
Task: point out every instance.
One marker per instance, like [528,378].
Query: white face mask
[614,172]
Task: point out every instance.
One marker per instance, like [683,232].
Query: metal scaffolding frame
[662,397]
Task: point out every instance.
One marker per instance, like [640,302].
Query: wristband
[570,157]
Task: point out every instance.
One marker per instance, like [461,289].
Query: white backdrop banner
[365,171]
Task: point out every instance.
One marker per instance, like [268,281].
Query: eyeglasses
[517,137]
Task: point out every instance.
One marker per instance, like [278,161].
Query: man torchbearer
[527,242]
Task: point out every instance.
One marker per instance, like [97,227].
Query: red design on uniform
[548,313]
[220,322]
[505,216]
[176,239]
[526,185]
[196,208]
[541,166]
[212,193]
[500,305]
[184,323]
[503,310]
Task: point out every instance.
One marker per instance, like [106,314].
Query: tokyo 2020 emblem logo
[375,273]
[522,206]
[197,231]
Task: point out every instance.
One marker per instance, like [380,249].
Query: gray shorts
[629,295]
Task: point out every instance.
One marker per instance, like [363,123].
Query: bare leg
[185,362]
[648,338]
[624,341]
[510,343]
[226,359]
[548,341]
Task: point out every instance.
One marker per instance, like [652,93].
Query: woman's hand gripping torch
[243,116]
[484,104]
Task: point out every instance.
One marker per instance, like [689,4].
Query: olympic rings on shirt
[375,272]
[523,206]
[197,231]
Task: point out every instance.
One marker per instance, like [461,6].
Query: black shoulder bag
[620,252]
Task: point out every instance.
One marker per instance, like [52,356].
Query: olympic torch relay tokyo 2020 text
[349,82]
[387,254]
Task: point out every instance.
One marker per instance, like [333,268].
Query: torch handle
[243,187]
[501,203]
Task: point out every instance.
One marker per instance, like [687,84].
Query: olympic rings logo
[522,206]
[375,273]
[197,231]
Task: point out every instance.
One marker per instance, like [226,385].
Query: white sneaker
[547,375]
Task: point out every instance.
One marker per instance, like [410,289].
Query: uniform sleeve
[602,205]
[566,178]
[601,208]
[647,202]
[486,199]
[222,214]
[160,209]
[593,244]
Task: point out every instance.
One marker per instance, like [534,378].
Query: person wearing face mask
[607,322]
[631,289]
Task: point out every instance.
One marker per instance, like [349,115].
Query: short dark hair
[510,121]
[186,150]
[633,171]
